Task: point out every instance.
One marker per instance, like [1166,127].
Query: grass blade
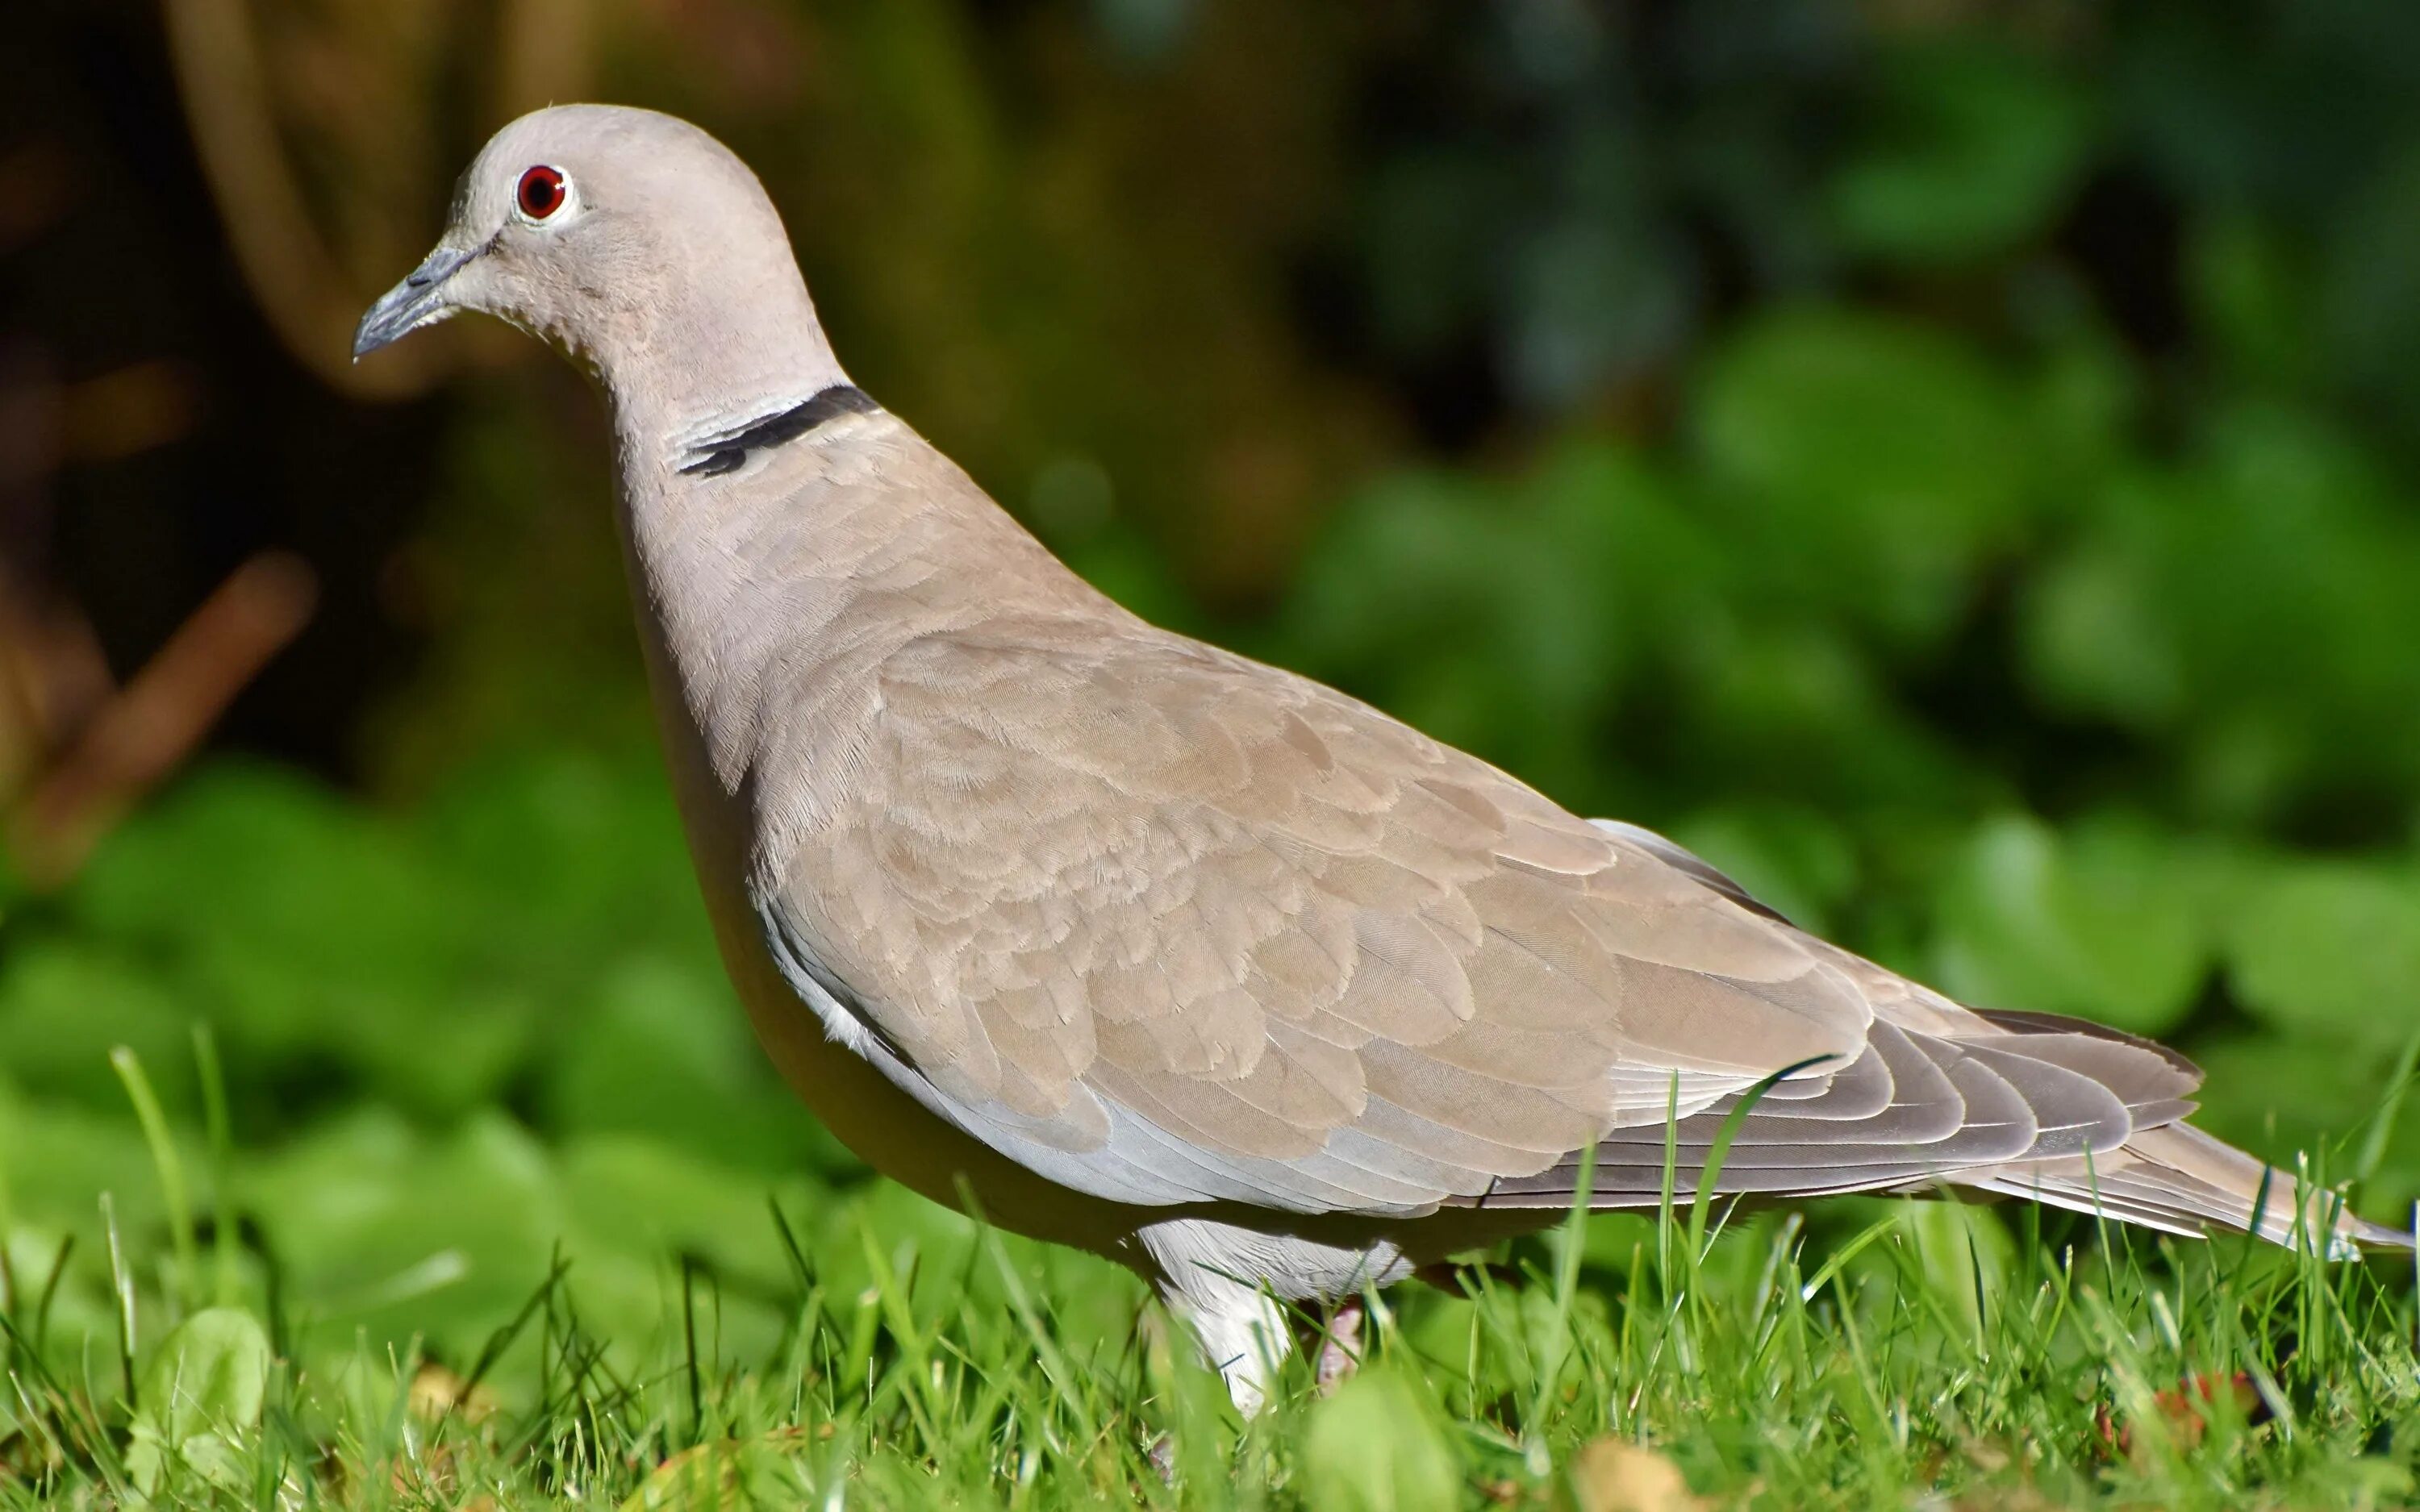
[164,1160]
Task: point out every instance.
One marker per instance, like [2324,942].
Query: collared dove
[1155,949]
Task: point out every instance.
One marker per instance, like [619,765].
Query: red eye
[541,193]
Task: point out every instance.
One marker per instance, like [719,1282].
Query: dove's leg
[1242,1330]
[1230,1284]
[1340,1345]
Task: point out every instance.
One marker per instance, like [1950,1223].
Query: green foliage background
[1956,467]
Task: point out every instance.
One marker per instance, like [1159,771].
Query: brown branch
[141,735]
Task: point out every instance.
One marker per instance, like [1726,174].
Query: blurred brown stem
[138,737]
[284,261]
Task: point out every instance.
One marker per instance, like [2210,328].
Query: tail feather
[2058,1110]
[2062,1110]
[2178,1178]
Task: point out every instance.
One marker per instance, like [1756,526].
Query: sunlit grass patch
[876,1351]
[604,1166]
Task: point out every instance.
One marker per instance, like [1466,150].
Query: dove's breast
[879,1122]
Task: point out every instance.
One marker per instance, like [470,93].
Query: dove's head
[638,245]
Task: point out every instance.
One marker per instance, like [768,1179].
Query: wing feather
[1205,930]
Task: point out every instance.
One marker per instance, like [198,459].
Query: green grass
[1865,1354]
[472,1190]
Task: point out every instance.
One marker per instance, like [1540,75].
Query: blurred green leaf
[1376,1446]
[1974,147]
[2254,298]
[200,1398]
[2250,612]
[2370,304]
[2331,950]
[2094,641]
[62,1153]
[667,1053]
[65,1005]
[1871,466]
[1491,616]
[382,1227]
[2100,922]
[568,861]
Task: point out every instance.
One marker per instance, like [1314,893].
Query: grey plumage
[1164,952]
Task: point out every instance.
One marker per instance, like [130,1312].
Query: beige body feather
[1155,949]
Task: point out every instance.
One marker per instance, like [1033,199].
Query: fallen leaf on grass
[2019,1499]
[725,1473]
[2185,1410]
[1616,1475]
[438,1393]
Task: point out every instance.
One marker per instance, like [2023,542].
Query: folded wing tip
[2378,1236]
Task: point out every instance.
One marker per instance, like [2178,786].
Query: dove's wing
[1169,925]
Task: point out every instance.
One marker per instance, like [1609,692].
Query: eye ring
[542,191]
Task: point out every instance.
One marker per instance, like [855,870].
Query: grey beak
[418,300]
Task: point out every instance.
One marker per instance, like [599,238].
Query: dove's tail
[2178,1178]
[2020,1105]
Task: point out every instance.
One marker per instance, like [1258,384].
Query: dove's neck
[771,594]
[689,368]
